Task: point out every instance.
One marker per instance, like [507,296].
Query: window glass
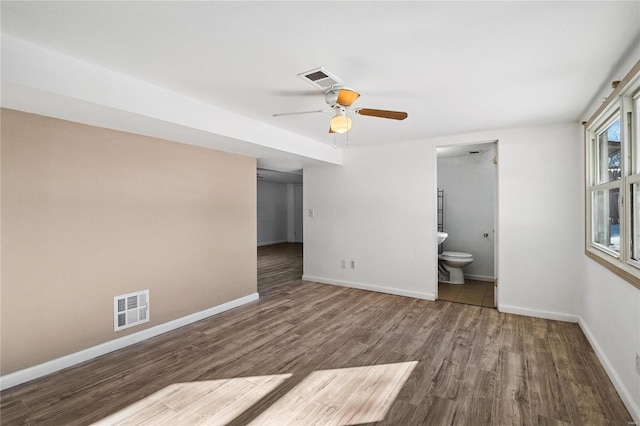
[606,218]
[608,154]
[635,222]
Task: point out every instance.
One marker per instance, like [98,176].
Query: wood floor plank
[545,384]
[442,411]
[473,411]
[470,366]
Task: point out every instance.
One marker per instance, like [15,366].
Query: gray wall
[272,213]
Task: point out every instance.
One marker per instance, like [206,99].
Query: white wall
[539,233]
[610,317]
[468,182]
[610,307]
[272,213]
[378,211]
[291,229]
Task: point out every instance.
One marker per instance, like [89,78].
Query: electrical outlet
[344,264]
[353,264]
[638,364]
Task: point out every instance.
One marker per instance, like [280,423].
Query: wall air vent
[321,78]
[130,309]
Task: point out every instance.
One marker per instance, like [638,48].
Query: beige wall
[90,213]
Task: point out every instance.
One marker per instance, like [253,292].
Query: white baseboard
[558,316]
[624,393]
[270,243]
[480,278]
[22,376]
[369,287]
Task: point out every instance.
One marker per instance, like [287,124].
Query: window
[613,181]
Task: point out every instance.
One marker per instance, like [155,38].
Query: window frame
[593,172]
[623,103]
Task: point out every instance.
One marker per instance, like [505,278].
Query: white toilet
[450,264]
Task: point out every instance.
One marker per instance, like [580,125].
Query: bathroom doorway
[467,212]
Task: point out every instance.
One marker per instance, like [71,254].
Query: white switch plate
[353,264]
[344,264]
[638,364]
[311,213]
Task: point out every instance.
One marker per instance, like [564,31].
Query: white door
[297,213]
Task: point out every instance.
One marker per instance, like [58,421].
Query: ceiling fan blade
[299,112]
[394,115]
[347,96]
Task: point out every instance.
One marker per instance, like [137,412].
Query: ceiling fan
[340,98]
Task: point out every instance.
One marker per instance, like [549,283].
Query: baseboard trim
[557,316]
[270,243]
[369,287]
[23,376]
[624,393]
[480,278]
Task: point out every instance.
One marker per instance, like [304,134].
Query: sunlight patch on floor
[210,402]
[345,396]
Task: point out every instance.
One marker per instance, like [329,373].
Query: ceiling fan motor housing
[331,95]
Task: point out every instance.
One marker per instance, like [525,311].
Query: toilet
[450,264]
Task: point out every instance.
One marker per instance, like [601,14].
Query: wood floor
[472,292]
[308,353]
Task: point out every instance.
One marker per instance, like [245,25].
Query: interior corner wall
[90,213]
[468,182]
[272,213]
[376,211]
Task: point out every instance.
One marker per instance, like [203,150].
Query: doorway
[279,228]
[279,207]
[467,212]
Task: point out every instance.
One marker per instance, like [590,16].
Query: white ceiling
[455,67]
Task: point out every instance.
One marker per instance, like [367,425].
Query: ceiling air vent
[321,78]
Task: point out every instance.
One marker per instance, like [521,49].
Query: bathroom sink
[441,237]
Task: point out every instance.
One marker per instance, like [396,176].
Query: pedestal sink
[441,237]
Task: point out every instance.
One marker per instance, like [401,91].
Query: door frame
[496,193]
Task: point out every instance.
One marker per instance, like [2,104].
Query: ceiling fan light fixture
[347,96]
[340,123]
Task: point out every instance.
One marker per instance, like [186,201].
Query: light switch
[311,213]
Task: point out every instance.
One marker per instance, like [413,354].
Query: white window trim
[608,117]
